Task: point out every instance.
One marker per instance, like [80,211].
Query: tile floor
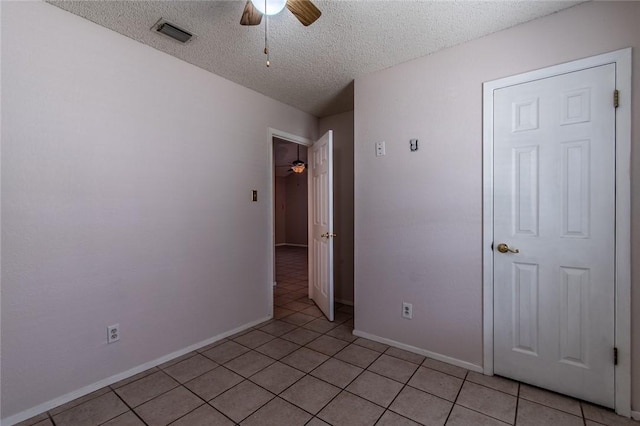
[299,369]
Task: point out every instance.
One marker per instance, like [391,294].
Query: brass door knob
[504,248]
[328,235]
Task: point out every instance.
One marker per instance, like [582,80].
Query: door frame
[271,217]
[622,60]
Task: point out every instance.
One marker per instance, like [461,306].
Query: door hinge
[616,98]
[615,356]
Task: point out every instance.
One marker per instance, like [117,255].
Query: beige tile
[296,306]
[605,416]
[389,418]
[313,311]
[93,412]
[168,407]
[301,336]
[298,319]
[357,355]
[147,388]
[327,345]
[253,339]
[34,420]
[436,383]
[337,372]
[190,368]
[394,368]
[133,378]
[370,344]
[249,364]
[317,422]
[212,345]
[532,414]
[461,416]
[277,377]
[343,332]
[278,412]
[488,401]
[421,407]
[375,388]
[281,313]
[46,422]
[79,401]
[443,367]
[551,399]
[213,383]
[320,325]
[350,410]
[277,348]
[405,355]
[346,309]
[341,317]
[278,328]
[591,423]
[311,394]
[241,401]
[177,360]
[205,415]
[126,419]
[305,359]
[225,352]
[494,382]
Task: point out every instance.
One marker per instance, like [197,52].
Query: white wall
[123,201]
[418,215]
[342,126]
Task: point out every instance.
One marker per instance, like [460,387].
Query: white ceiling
[312,68]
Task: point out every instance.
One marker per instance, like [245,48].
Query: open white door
[321,224]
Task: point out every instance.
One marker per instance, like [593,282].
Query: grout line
[131,408]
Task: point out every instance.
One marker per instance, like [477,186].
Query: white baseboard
[429,354]
[31,412]
[295,245]
[635,415]
[344,301]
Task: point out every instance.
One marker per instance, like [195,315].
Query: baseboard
[295,245]
[344,301]
[635,415]
[27,414]
[429,354]
[280,244]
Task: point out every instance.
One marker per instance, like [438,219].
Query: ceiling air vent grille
[170,30]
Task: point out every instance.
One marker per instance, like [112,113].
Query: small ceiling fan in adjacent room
[296,166]
[306,12]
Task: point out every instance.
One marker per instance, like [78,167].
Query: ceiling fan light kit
[269,7]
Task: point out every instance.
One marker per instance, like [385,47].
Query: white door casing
[554,190]
[321,224]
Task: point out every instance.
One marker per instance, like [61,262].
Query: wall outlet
[380,149]
[113,333]
[407,310]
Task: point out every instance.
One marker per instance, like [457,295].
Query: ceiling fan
[306,12]
[297,166]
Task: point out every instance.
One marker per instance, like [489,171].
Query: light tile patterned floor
[300,369]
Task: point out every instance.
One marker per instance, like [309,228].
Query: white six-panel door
[554,206]
[321,224]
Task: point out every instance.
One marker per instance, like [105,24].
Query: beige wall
[116,209]
[342,126]
[296,209]
[280,210]
[418,218]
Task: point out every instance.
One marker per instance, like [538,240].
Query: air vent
[170,30]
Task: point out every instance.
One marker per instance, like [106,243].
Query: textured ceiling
[312,68]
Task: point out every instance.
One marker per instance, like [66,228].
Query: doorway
[556,229]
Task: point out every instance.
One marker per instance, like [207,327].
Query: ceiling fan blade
[304,10]
[250,15]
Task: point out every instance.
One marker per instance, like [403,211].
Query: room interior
[128,161]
